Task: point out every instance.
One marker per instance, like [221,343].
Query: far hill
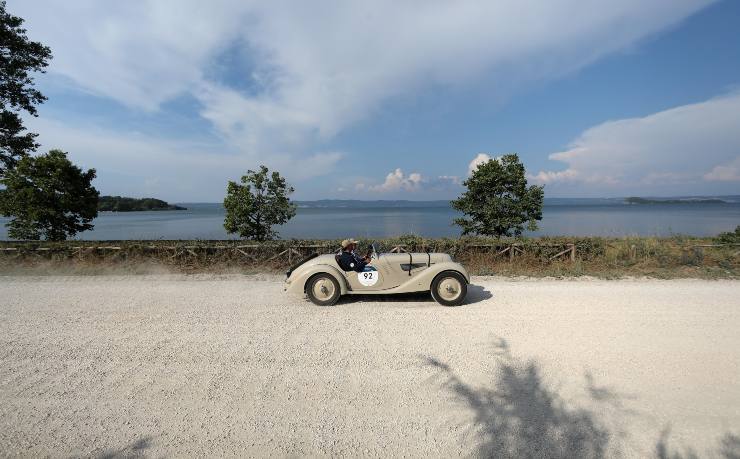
[124,204]
[355,203]
[636,200]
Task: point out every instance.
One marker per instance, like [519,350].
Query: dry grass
[671,257]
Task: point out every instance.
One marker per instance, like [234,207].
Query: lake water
[565,217]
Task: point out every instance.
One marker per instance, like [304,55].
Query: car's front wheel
[323,290]
[449,288]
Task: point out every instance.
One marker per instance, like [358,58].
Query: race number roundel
[369,277]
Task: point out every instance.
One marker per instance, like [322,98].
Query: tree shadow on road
[519,416]
[135,449]
[729,447]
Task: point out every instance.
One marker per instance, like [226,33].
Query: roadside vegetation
[671,257]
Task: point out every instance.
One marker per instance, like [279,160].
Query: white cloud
[450,179]
[331,56]
[729,172]
[481,158]
[175,170]
[139,53]
[397,181]
[317,67]
[550,176]
[680,146]
[254,124]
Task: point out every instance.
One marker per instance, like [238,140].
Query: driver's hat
[347,242]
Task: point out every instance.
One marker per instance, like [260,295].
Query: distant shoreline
[445,203]
[642,201]
[126,204]
[549,202]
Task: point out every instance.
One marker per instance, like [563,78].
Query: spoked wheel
[323,290]
[449,288]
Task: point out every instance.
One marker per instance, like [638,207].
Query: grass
[666,257]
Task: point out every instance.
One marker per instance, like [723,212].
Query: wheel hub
[323,289]
[449,289]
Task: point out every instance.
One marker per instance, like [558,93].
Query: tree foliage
[257,204]
[730,237]
[19,59]
[48,197]
[498,201]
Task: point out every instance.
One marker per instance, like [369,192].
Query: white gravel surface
[174,365]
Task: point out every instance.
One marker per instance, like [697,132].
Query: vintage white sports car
[323,279]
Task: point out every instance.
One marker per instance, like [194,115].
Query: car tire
[449,288]
[323,290]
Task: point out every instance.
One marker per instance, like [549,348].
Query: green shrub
[730,237]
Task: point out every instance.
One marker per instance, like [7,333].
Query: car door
[370,279]
[397,268]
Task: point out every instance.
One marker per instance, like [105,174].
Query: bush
[730,237]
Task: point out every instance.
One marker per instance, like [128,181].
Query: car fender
[301,275]
[423,280]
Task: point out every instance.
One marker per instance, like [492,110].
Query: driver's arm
[360,262]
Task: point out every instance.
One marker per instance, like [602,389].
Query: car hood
[417,257]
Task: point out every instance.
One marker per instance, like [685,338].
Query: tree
[48,197]
[498,201]
[19,59]
[259,203]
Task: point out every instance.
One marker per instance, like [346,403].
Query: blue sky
[393,100]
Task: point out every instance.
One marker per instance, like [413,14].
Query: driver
[350,259]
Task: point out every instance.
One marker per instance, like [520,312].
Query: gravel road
[171,365]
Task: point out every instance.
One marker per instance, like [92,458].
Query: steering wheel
[371,253]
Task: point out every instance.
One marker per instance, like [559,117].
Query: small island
[124,204]
[636,200]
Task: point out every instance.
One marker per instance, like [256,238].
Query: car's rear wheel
[323,289]
[449,288]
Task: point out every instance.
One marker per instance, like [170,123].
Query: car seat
[338,258]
